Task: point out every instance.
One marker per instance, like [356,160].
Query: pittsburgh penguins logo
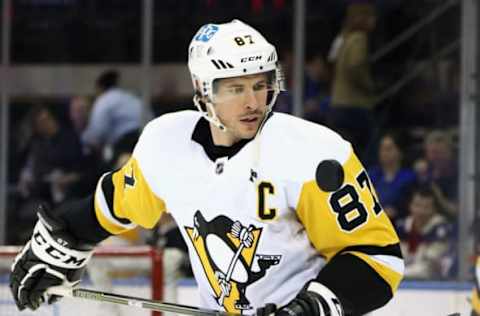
[227,251]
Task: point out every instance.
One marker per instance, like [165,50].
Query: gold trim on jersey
[475,293]
[347,217]
[133,201]
[103,211]
[475,301]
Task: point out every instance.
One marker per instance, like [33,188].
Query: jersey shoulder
[169,129]
[301,137]
[181,120]
[301,145]
[307,137]
[165,138]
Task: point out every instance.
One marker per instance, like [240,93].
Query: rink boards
[414,298]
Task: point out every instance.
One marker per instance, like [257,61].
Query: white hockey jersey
[256,224]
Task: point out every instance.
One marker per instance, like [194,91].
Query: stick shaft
[133,301]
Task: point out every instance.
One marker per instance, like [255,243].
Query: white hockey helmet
[229,50]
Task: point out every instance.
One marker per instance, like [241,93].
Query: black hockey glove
[316,300]
[52,257]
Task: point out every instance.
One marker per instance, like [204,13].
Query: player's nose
[251,101]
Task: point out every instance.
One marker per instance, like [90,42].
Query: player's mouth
[250,121]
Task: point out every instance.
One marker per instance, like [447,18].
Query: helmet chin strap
[257,141]
[212,118]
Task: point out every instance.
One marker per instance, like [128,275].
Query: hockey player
[270,227]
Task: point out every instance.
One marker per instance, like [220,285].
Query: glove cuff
[328,301]
[54,252]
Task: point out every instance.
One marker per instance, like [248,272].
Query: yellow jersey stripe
[476,294]
[324,217]
[133,198]
[476,301]
[104,213]
[133,201]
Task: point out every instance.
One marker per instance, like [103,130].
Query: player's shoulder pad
[181,120]
[166,133]
[162,141]
[302,145]
[169,128]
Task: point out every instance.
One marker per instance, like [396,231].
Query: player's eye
[260,86]
[236,90]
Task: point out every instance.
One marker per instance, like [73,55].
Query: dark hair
[426,191]
[108,79]
[398,139]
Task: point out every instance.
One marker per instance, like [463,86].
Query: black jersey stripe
[390,250]
[109,192]
[81,221]
[348,276]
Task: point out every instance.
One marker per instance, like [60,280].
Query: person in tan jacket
[353,89]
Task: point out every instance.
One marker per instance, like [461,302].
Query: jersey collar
[203,136]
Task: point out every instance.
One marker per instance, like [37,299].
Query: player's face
[240,104]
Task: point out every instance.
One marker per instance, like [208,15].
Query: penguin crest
[227,252]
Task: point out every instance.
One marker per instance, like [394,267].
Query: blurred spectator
[438,168]
[115,120]
[424,237]
[79,111]
[317,82]
[353,90]
[54,159]
[317,89]
[52,168]
[392,181]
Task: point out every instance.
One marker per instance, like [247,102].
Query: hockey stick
[133,301]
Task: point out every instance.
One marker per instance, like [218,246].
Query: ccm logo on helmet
[55,253]
[251,58]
